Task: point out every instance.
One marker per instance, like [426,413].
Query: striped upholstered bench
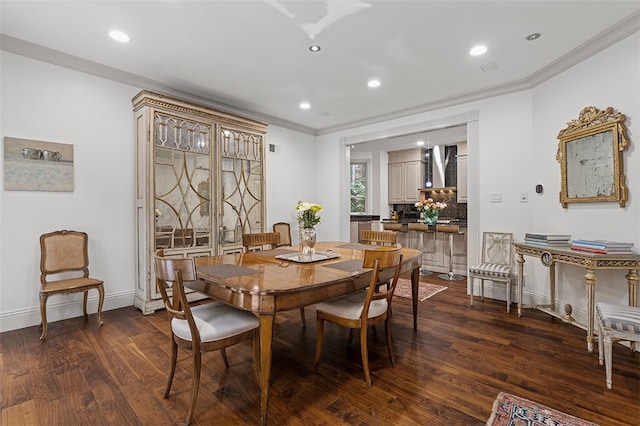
[617,322]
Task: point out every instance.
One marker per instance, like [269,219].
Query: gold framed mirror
[590,156]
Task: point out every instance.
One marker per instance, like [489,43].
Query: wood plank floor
[447,373]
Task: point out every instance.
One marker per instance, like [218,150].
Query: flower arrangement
[308,214]
[428,207]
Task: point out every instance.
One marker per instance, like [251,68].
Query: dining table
[281,279]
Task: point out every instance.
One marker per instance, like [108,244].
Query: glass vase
[308,242]
[430,217]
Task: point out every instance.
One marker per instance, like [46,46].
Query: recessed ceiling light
[373,83]
[314,48]
[478,50]
[420,143]
[305,105]
[120,36]
[533,36]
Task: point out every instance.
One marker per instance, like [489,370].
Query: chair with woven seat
[616,322]
[496,265]
[361,309]
[66,254]
[207,327]
[382,238]
[284,229]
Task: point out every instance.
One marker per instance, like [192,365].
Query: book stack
[602,246]
[552,240]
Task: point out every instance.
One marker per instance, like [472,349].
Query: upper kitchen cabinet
[462,172]
[406,175]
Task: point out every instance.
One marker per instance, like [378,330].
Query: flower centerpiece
[308,218]
[430,209]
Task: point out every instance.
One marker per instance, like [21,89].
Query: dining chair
[386,238]
[64,269]
[616,322]
[269,241]
[360,309]
[204,328]
[260,241]
[496,264]
[284,229]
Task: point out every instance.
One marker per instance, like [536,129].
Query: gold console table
[592,262]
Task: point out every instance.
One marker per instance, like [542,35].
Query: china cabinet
[199,184]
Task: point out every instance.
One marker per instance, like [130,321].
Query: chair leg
[303,317]
[172,368]
[319,338]
[607,358]
[387,329]
[43,315]
[471,295]
[600,343]
[85,296]
[224,357]
[352,333]
[100,303]
[482,289]
[365,355]
[197,364]
[508,296]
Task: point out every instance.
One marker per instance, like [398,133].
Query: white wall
[516,149]
[46,102]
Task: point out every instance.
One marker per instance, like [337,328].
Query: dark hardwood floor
[447,373]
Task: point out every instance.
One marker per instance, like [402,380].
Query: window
[358,187]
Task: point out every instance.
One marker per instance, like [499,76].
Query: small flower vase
[430,217]
[308,242]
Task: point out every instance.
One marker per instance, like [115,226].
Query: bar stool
[450,230]
[420,229]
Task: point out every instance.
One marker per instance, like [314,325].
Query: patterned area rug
[512,410]
[425,290]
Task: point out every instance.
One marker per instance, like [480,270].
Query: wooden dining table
[265,283]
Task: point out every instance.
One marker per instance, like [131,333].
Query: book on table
[602,246]
[547,237]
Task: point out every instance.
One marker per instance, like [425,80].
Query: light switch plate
[524,197]
[496,197]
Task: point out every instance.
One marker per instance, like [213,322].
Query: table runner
[227,270]
[358,246]
[274,252]
[352,265]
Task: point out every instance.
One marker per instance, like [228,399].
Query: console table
[592,262]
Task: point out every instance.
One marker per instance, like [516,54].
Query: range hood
[438,161]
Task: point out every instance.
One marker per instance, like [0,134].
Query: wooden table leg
[415,280]
[590,280]
[266,338]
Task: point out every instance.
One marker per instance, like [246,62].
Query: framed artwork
[31,165]
[590,156]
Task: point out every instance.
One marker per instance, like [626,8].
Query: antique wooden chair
[284,229]
[260,241]
[203,328]
[64,269]
[497,263]
[361,309]
[617,322]
[387,238]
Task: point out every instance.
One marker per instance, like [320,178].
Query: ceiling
[253,57]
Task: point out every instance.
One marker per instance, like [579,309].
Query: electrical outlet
[524,197]
[496,197]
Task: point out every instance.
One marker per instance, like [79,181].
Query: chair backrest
[63,251]
[368,236]
[386,262]
[261,240]
[497,248]
[284,229]
[172,273]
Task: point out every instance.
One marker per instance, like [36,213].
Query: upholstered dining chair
[496,265]
[64,269]
[260,241]
[386,238]
[359,310]
[207,327]
[284,229]
[616,322]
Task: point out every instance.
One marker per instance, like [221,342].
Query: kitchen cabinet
[406,175]
[461,158]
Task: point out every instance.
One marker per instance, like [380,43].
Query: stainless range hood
[438,161]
